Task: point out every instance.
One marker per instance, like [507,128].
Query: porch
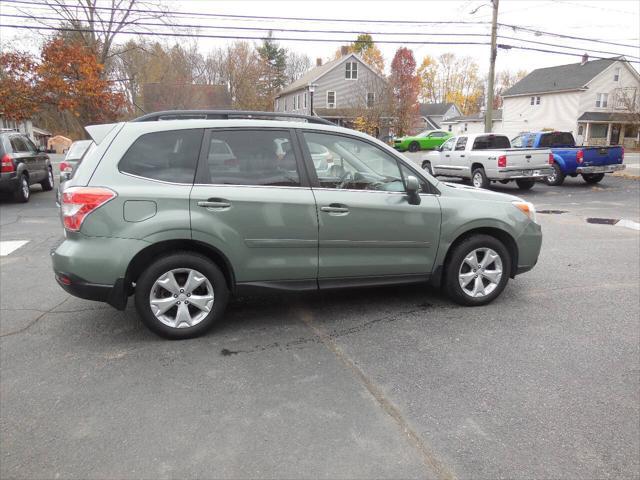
[605,128]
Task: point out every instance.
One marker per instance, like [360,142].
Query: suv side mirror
[42,149]
[413,188]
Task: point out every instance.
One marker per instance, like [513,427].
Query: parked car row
[549,156]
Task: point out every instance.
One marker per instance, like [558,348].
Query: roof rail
[226,115]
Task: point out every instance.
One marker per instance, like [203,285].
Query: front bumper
[616,167]
[529,245]
[515,173]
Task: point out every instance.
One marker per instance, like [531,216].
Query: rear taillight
[580,156]
[78,202]
[65,167]
[502,161]
[7,165]
[551,159]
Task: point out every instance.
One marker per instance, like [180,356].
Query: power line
[298,19]
[295,30]
[333,40]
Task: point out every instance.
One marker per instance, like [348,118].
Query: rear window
[556,139]
[491,142]
[170,156]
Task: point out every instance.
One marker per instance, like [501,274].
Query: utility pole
[488,119]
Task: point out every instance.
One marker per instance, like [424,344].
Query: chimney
[585,58]
[344,50]
[318,62]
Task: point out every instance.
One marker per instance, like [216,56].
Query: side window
[18,144]
[448,145]
[170,156]
[517,142]
[461,143]
[251,157]
[30,146]
[353,164]
[530,141]
[406,171]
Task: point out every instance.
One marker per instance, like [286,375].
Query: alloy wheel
[25,187]
[480,272]
[477,180]
[181,298]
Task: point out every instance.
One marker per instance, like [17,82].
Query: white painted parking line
[8,246]
[628,224]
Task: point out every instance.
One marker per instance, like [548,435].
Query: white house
[472,123]
[592,99]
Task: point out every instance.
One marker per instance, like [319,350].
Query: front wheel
[556,178]
[592,177]
[47,183]
[414,147]
[477,271]
[479,178]
[525,183]
[181,295]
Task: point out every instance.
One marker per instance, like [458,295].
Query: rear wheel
[477,271]
[23,193]
[525,183]
[556,178]
[479,178]
[47,184]
[181,295]
[592,177]
[414,147]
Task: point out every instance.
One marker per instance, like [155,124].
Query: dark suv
[22,165]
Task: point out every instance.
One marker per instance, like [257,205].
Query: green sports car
[427,140]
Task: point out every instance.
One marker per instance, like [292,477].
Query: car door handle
[336,208]
[215,204]
[462,156]
[447,155]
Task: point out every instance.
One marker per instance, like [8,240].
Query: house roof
[564,77]
[474,117]
[606,117]
[317,72]
[428,109]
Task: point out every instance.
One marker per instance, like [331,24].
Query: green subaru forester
[183,212]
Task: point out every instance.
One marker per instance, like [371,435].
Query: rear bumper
[115,295]
[9,182]
[616,167]
[515,173]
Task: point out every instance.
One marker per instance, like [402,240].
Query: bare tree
[297,65]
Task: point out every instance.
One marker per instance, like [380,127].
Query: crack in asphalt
[35,320]
[430,459]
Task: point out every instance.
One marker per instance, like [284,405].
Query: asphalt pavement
[366,383]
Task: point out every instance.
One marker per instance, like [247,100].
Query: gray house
[433,114]
[342,90]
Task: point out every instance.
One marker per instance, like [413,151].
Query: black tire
[504,182]
[426,165]
[414,146]
[558,177]
[455,262]
[525,183]
[479,178]
[47,184]
[22,194]
[592,177]
[173,261]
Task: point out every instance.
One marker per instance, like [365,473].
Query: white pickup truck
[487,157]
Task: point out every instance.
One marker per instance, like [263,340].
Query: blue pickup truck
[590,162]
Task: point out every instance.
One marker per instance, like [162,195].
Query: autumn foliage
[404,86]
[67,78]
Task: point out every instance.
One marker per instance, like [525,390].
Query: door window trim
[313,177]
[202,168]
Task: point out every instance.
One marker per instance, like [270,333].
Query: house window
[616,74]
[537,100]
[533,100]
[601,100]
[598,130]
[285,104]
[351,71]
[449,127]
[277,104]
[305,99]
[331,99]
[465,127]
[371,98]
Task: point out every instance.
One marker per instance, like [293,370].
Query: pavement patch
[9,246]
[614,222]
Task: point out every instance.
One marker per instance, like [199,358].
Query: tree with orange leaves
[404,85]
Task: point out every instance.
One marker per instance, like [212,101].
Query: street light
[312,88]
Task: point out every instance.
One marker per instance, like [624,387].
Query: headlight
[527,208]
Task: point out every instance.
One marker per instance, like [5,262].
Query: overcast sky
[614,21]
